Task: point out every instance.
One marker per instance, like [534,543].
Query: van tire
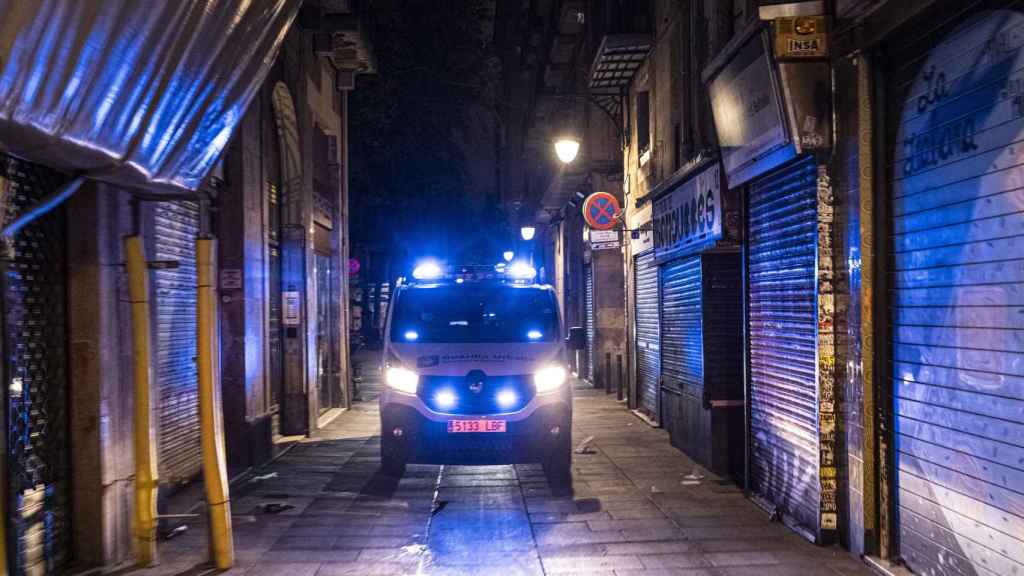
[392,461]
[558,463]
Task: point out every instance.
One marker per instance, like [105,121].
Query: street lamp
[567,148]
[527,232]
[508,255]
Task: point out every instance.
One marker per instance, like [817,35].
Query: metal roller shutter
[782,240]
[35,353]
[956,280]
[682,343]
[588,282]
[647,334]
[176,225]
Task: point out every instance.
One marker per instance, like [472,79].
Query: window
[475,313]
[643,123]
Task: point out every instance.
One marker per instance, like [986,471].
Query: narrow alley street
[639,506]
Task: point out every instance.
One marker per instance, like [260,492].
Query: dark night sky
[423,135]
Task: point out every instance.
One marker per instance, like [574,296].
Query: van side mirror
[577,339]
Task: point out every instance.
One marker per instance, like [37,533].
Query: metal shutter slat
[175,227]
[782,331]
[647,333]
[682,341]
[956,282]
[588,281]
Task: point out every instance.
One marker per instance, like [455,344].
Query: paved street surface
[639,507]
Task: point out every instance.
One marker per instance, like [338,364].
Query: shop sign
[747,110]
[689,217]
[604,239]
[801,37]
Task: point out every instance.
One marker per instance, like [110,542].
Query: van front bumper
[422,436]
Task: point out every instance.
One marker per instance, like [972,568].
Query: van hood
[505,359]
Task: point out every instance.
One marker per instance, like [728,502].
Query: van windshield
[474,313]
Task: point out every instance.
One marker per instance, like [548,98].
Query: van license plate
[476,426]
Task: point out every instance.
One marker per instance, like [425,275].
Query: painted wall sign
[601,211]
[291,314]
[748,114]
[690,217]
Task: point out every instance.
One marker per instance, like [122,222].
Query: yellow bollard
[146,477]
[211,423]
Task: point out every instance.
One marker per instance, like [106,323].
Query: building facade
[277,204]
[819,246]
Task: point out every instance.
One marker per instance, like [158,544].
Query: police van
[476,371]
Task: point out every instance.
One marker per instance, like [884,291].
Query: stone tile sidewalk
[324,509]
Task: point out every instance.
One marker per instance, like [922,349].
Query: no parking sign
[601,211]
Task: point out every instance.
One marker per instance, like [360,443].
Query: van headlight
[549,379]
[403,380]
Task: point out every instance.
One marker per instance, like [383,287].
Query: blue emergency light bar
[431,271]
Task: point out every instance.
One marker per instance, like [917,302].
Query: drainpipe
[210,414]
[144,515]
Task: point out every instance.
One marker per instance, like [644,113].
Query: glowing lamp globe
[566,149]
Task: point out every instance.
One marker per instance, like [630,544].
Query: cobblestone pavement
[324,509]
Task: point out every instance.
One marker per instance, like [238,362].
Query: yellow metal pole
[211,423]
[146,477]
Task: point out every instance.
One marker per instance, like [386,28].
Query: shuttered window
[682,344]
[956,280]
[782,239]
[647,334]
[176,225]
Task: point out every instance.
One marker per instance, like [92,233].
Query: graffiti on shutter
[782,236]
[957,295]
[176,225]
[648,348]
[35,352]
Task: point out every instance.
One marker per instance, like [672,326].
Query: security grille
[35,346]
[176,225]
[647,334]
[782,233]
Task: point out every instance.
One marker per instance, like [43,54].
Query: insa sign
[690,216]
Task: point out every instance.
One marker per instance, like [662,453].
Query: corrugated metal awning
[617,60]
[139,94]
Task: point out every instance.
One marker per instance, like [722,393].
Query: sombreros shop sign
[689,217]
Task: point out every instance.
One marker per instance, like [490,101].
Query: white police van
[475,367]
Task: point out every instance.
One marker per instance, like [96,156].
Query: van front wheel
[392,461]
[558,462]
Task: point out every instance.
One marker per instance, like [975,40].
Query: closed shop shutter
[682,349]
[588,287]
[35,353]
[956,280]
[176,225]
[647,334]
[782,240]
